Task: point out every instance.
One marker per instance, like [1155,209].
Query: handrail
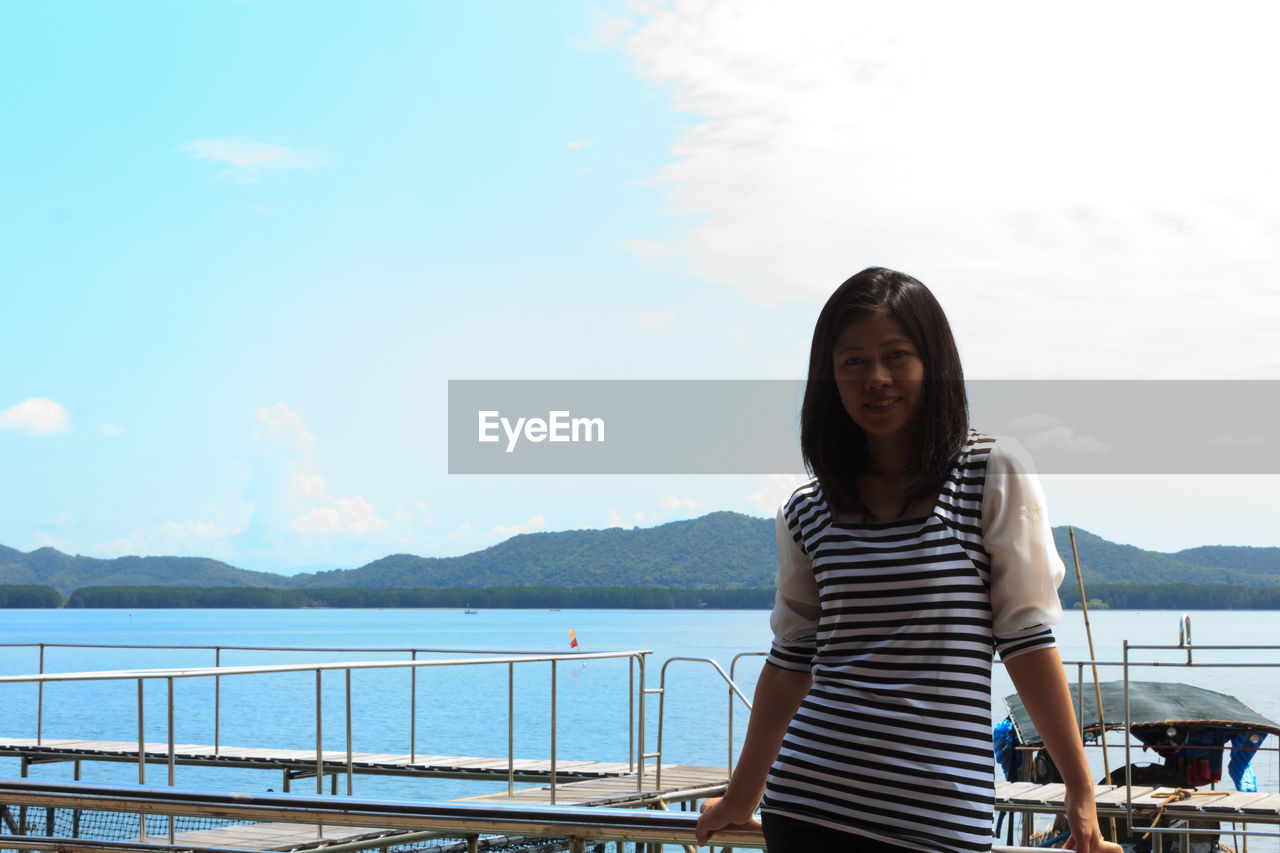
[224,647]
[662,701]
[223,671]
[733,666]
[578,825]
[219,672]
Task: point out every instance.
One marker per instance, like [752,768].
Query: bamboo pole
[1097,687]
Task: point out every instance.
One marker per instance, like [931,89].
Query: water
[464,711]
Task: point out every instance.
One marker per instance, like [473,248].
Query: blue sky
[245,245]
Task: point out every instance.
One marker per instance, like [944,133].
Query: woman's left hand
[1086,835]
[717,814]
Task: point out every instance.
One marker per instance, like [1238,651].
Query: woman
[918,551]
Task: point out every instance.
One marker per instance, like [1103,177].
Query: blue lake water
[463,711]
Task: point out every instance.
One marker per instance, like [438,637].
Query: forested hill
[719,550]
[722,550]
[51,567]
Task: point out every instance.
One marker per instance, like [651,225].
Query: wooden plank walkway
[303,761]
[277,836]
[680,782]
[1222,805]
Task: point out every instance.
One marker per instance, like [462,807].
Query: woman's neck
[890,455]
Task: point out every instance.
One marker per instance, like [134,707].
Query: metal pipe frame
[733,666]
[662,701]
[217,672]
[380,649]
[452,818]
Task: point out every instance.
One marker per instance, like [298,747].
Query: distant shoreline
[1100,596]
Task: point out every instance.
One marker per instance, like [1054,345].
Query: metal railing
[579,826]
[734,690]
[635,735]
[217,650]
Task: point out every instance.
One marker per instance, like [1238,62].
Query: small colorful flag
[573,639]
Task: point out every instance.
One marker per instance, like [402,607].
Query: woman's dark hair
[834,447]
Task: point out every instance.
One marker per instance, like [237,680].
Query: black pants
[788,835]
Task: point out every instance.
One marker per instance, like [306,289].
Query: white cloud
[283,427]
[47,540]
[132,545]
[36,416]
[249,159]
[671,503]
[651,249]
[606,30]
[1065,211]
[579,143]
[462,531]
[111,430]
[777,488]
[201,537]
[656,321]
[353,515]
[615,520]
[526,526]
[1039,431]
[310,486]
[1231,439]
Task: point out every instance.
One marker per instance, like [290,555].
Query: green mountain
[722,550]
[51,567]
[1108,562]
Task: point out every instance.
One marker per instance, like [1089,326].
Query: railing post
[1128,759]
[511,728]
[40,702]
[217,699]
[1080,698]
[640,730]
[319,738]
[142,764]
[171,763]
[631,712]
[553,731]
[413,708]
[142,744]
[350,763]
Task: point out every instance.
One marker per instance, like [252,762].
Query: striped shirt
[898,623]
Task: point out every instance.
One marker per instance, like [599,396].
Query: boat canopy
[1152,704]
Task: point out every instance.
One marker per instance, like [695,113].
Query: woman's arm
[1042,686]
[777,697]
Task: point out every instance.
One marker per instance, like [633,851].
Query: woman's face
[879,375]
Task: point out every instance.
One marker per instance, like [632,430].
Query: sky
[245,246]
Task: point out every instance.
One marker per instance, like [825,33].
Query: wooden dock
[1112,800]
[302,762]
[578,784]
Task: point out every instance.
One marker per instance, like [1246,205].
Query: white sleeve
[1025,567]
[795,608]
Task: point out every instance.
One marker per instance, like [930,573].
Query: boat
[469,610]
[1189,729]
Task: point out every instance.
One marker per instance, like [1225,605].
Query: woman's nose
[877,374]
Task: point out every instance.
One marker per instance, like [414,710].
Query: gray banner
[672,427]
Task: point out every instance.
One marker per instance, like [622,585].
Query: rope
[1178,795]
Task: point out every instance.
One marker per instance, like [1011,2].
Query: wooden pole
[1097,688]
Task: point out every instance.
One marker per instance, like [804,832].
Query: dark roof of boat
[1151,704]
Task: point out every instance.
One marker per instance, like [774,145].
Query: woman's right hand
[717,813]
